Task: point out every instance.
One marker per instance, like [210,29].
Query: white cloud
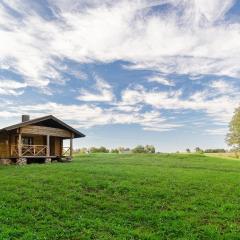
[218,107]
[89,115]
[185,39]
[217,131]
[223,87]
[103,93]
[10,87]
[161,80]
[10,84]
[204,11]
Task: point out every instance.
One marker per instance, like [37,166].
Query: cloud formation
[103,92]
[218,104]
[89,115]
[191,39]
[10,87]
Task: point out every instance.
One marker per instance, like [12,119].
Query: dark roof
[77,134]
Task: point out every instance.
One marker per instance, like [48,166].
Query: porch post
[20,158]
[71,145]
[48,145]
[48,159]
[20,145]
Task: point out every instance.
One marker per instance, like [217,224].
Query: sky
[161,72]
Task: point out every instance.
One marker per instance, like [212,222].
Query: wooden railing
[29,150]
[36,151]
[66,151]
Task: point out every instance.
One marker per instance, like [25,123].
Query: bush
[99,150]
[124,150]
[114,151]
[198,150]
[142,149]
[149,149]
[138,149]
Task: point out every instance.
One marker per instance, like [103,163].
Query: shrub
[149,149]
[138,149]
[198,150]
[99,150]
[115,151]
[142,149]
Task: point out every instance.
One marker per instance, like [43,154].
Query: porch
[41,145]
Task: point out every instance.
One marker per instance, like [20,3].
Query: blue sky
[158,72]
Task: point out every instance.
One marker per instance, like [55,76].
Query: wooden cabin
[37,140]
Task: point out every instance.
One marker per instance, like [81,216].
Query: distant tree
[149,149]
[198,150]
[103,150]
[99,150]
[115,151]
[82,150]
[139,149]
[144,149]
[123,150]
[188,150]
[233,136]
[93,150]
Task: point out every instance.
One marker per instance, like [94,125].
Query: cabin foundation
[21,161]
[48,160]
[5,161]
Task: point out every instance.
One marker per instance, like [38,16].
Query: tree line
[137,149]
[209,150]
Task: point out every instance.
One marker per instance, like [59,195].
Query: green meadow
[122,196]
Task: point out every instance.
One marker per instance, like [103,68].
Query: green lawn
[109,196]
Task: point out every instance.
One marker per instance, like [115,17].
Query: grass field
[109,196]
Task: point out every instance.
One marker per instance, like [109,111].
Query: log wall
[39,130]
[58,149]
[38,140]
[4,147]
[55,146]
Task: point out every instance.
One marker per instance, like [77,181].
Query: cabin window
[27,140]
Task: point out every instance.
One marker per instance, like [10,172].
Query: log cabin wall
[58,148]
[13,140]
[38,140]
[4,147]
[39,130]
[55,146]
